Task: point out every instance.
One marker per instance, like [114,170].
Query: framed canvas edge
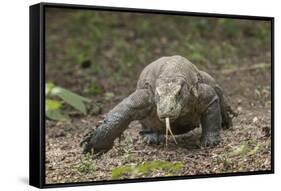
[35,135]
[37,94]
[155,11]
[272,95]
[158,179]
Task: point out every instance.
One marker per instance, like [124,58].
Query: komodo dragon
[170,87]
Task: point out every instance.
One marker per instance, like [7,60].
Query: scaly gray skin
[168,87]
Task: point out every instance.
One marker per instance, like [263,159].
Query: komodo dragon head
[170,95]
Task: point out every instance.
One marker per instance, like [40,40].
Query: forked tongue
[168,129]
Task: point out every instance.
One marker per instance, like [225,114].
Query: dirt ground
[252,127]
[96,54]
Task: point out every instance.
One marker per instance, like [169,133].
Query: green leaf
[255,150]
[59,90]
[240,150]
[145,168]
[71,98]
[108,96]
[87,164]
[48,87]
[57,115]
[118,172]
[52,104]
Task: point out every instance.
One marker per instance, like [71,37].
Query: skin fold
[170,87]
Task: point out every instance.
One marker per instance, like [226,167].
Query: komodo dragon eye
[179,94]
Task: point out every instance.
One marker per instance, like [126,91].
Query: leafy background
[91,51]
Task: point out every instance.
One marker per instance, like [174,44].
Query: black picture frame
[37,93]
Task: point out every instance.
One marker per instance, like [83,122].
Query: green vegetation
[86,165]
[56,97]
[93,89]
[116,46]
[145,168]
[235,157]
[263,94]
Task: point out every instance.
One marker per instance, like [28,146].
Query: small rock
[266,130]
[255,120]
[60,134]
[239,101]
[239,109]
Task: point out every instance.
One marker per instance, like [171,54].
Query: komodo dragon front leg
[134,107]
[211,119]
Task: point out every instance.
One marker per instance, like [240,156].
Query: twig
[253,67]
